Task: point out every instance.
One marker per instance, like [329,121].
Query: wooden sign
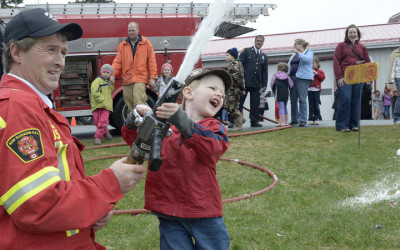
[360,73]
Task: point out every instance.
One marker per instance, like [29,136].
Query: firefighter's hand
[152,83]
[128,175]
[102,222]
[166,110]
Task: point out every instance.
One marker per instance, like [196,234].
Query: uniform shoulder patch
[27,145]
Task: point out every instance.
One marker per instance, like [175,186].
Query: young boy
[184,193]
[102,103]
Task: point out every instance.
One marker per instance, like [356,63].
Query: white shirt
[258,51]
[43,96]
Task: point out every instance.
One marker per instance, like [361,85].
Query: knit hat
[107,68]
[233,52]
[168,66]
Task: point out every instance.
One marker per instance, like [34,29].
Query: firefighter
[46,200]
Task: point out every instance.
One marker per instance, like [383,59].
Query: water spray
[152,129]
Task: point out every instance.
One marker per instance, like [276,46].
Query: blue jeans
[396,107]
[299,92]
[348,107]
[203,233]
[386,112]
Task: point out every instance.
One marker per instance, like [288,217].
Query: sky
[304,15]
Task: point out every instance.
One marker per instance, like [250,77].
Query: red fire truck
[169,27]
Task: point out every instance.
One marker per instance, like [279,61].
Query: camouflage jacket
[235,69]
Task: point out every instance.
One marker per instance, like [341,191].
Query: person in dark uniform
[255,64]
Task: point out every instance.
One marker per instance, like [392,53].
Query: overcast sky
[302,15]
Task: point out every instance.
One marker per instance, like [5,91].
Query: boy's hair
[316,60]
[377,91]
[107,68]
[193,85]
[283,67]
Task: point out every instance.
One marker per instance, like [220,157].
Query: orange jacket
[143,68]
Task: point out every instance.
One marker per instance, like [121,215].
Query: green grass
[318,169]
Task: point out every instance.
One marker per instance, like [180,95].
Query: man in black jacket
[255,64]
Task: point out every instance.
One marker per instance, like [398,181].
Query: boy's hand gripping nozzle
[152,130]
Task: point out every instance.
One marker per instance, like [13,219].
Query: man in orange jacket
[136,62]
[46,201]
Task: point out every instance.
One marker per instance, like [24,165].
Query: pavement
[88,131]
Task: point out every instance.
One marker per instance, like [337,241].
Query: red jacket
[46,200]
[186,184]
[344,57]
[140,69]
[318,79]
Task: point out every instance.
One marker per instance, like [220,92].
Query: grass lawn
[330,193]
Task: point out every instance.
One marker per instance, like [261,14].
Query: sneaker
[293,123]
[397,123]
[108,137]
[302,124]
[315,123]
[355,129]
[345,130]
[97,141]
[230,125]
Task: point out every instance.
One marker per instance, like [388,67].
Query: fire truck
[169,27]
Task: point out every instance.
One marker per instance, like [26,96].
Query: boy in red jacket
[184,193]
[314,92]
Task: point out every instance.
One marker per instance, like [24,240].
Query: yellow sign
[365,72]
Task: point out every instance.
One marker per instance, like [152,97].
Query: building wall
[380,55]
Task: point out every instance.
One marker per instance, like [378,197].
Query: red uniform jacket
[46,200]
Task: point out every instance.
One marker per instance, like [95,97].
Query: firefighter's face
[42,64]
[133,31]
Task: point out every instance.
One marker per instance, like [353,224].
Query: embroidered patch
[27,145]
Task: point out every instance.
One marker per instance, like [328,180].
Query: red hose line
[265,118]
[243,197]
[258,131]
[106,145]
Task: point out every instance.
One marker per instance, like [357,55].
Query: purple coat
[386,100]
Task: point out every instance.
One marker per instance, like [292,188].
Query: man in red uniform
[46,200]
